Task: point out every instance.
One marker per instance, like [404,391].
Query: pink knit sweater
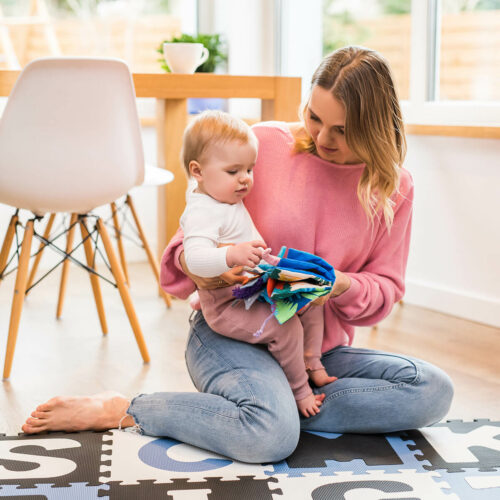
[304,202]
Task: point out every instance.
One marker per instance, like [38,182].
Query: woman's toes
[35,422]
[30,429]
[48,405]
[33,426]
[39,414]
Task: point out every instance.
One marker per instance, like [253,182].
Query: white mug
[184,57]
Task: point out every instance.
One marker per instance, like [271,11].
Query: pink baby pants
[296,344]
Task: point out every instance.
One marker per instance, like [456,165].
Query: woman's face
[325,122]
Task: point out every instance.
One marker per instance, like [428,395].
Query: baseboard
[469,306]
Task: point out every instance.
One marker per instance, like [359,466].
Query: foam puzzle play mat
[452,460]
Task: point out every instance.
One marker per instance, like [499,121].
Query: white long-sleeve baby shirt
[207,223]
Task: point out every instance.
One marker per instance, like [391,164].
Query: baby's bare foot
[320,377]
[309,406]
[98,412]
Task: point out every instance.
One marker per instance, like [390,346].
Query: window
[444,54]
[438,82]
[383,25]
[469,53]
[128,29]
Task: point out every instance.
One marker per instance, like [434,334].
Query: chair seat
[154,176]
[70,137]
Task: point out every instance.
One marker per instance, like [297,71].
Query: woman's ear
[195,170]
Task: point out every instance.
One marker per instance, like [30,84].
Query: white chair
[154,177]
[70,141]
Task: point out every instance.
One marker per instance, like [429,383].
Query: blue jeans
[245,408]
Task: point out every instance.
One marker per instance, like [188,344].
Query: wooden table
[280,97]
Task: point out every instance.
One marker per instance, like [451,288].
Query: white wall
[248,28]
[454,263]
[301,40]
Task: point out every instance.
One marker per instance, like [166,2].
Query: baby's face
[227,171]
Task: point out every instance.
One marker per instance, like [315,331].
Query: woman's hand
[229,278]
[342,283]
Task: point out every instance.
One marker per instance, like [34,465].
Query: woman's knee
[271,439]
[436,394]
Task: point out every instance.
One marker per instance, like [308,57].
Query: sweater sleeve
[202,225]
[380,283]
[203,258]
[172,277]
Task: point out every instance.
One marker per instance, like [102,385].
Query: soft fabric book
[290,284]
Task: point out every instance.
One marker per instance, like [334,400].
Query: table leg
[285,105]
[171,122]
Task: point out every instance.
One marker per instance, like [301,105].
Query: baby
[219,153]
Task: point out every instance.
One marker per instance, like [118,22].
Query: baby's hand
[309,406]
[246,254]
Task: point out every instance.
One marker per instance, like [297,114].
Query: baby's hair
[212,127]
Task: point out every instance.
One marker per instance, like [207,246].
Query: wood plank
[286,103]
[445,341]
[7,80]
[454,131]
[467,20]
[177,86]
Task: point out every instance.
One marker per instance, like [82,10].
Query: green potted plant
[217,56]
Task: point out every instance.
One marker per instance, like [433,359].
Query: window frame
[424,106]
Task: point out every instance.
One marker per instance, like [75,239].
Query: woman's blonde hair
[212,127]
[361,80]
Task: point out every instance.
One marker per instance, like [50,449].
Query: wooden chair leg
[42,246]
[123,289]
[94,280]
[118,234]
[7,243]
[18,299]
[65,265]
[152,261]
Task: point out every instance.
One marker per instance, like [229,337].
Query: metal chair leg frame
[65,266]
[41,248]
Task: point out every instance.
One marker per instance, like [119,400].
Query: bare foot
[320,377]
[98,412]
[310,406]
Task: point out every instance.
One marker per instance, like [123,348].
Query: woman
[332,185]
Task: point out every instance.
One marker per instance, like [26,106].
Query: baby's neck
[198,190]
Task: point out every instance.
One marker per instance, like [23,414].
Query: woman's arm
[173,279]
[176,279]
[374,290]
[341,285]
[229,278]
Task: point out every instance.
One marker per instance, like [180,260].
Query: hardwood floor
[469,352]
[71,356]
